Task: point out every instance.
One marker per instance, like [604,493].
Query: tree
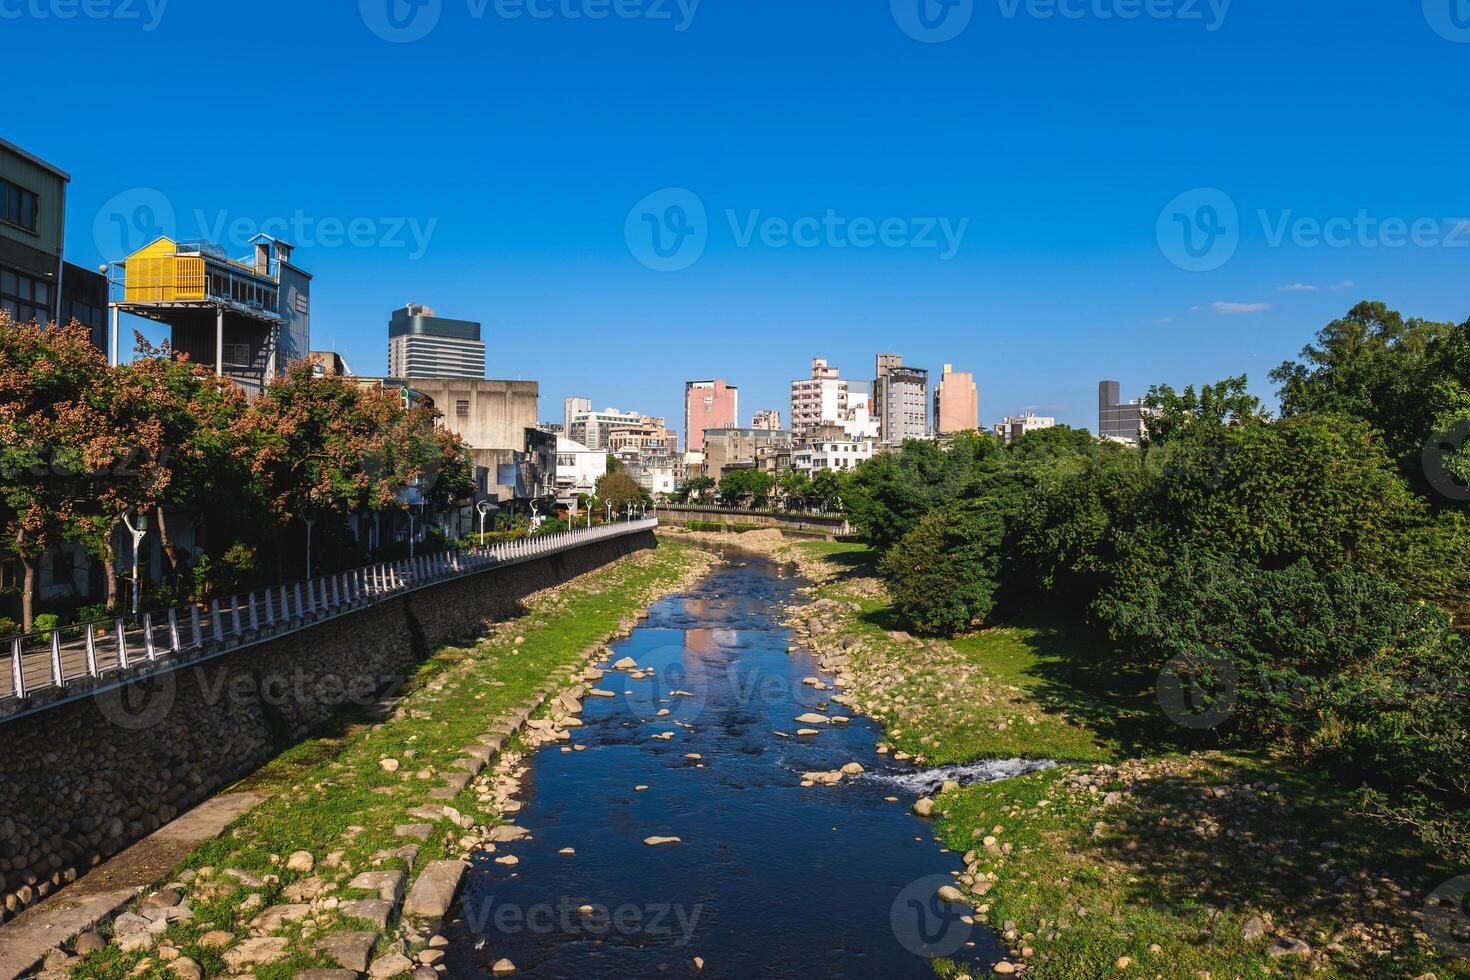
[1172,413]
[1409,378]
[944,574]
[695,489]
[53,438]
[887,495]
[795,485]
[617,487]
[746,486]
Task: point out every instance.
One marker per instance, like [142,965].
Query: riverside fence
[51,668]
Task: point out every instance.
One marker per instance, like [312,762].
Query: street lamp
[484,508]
[309,517]
[139,533]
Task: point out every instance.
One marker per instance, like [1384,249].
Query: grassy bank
[334,799]
[1146,853]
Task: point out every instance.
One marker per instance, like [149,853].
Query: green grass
[323,786]
[1087,881]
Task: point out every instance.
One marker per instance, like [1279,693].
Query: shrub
[943,575]
[45,623]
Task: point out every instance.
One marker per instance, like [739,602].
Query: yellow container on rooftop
[156,274]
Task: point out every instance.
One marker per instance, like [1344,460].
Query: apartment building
[820,398]
[956,403]
[708,405]
[900,400]
[1119,421]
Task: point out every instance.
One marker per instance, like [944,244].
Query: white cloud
[1164,319]
[1297,287]
[1237,308]
[1345,284]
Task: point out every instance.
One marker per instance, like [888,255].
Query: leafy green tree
[1172,413]
[943,575]
[746,487]
[617,487]
[887,495]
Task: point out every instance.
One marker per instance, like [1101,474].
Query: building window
[237,355]
[24,298]
[462,408]
[19,206]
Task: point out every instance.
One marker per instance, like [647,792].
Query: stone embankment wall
[82,780]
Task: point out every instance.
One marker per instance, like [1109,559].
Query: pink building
[956,403]
[708,405]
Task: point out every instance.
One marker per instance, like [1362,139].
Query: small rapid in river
[768,878]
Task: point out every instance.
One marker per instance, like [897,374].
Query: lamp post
[484,508]
[309,517]
[138,532]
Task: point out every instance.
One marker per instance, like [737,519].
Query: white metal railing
[42,661]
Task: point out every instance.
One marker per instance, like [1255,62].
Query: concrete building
[572,407]
[769,418]
[422,344]
[956,403]
[1014,427]
[839,456]
[578,468]
[1119,421]
[493,418]
[900,400]
[594,429]
[819,399]
[731,447]
[36,282]
[248,319]
[649,436]
[708,405]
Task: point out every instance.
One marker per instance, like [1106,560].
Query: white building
[858,422]
[820,399]
[839,457]
[768,418]
[1014,427]
[578,468]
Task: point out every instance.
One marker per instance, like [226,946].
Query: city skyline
[1072,283]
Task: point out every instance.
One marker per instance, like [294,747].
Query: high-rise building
[858,422]
[708,405]
[424,345]
[1119,421]
[575,406]
[900,400]
[820,399]
[768,418]
[956,403]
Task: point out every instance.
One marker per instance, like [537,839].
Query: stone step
[434,891]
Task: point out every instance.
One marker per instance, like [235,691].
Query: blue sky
[500,168]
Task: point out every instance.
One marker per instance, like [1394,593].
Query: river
[769,879]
